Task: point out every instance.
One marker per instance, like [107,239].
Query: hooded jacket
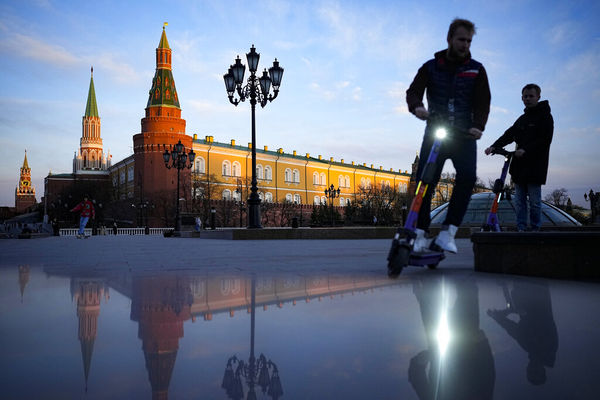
[533,133]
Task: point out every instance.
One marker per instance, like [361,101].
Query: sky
[347,67]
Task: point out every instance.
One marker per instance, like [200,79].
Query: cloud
[356,93]
[120,71]
[496,109]
[207,107]
[30,47]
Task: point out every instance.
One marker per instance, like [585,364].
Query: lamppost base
[254,213]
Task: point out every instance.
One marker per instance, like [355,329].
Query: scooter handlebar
[501,151]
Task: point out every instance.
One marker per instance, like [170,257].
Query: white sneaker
[445,239]
[421,242]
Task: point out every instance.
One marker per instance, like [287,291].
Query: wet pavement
[150,317]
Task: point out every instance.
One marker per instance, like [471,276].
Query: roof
[91,108]
[164,43]
[25,163]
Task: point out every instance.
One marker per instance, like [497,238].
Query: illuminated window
[226,194]
[236,169]
[226,168]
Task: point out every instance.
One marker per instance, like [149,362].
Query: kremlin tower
[91,156]
[25,192]
[162,127]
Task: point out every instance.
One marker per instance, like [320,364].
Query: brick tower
[162,127]
[25,192]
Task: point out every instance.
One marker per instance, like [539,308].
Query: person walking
[458,96]
[86,210]
[532,132]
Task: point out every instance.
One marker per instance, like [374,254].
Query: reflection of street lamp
[257,89]
[255,371]
[332,193]
[177,159]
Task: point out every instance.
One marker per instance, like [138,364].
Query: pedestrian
[532,132]
[87,211]
[458,96]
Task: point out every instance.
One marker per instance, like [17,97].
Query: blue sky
[347,67]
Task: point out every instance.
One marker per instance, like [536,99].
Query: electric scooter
[492,224]
[401,253]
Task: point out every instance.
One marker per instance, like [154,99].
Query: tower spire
[91,108]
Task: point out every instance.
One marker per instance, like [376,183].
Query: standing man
[533,133]
[458,95]
[86,209]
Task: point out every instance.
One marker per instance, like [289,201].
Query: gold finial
[165,24]
[92,69]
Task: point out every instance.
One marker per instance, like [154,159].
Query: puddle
[186,335]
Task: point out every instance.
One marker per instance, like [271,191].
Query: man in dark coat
[532,132]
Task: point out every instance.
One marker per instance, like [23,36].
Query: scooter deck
[425,258]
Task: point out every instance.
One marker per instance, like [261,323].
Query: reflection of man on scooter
[459,357]
[535,330]
[458,92]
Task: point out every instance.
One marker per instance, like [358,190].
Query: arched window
[237,196]
[347,181]
[402,187]
[236,169]
[259,172]
[342,202]
[198,192]
[226,194]
[269,197]
[297,199]
[363,183]
[288,197]
[341,181]
[317,200]
[316,178]
[226,168]
[296,176]
[368,183]
[288,175]
[268,173]
[323,200]
[323,178]
[199,167]
[261,196]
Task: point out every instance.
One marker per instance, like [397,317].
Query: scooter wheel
[433,266]
[398,259]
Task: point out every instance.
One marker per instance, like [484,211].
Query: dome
[479,208]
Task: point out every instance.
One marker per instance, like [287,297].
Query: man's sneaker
[445,239]
[421,242]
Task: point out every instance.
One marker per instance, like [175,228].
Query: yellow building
[301,179]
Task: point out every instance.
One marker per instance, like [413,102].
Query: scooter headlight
[441,133]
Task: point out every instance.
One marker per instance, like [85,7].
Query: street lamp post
[255,371]
[332,193]
[240,190]
[257,89]
[177,158]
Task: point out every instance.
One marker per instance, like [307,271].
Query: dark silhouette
[535,330]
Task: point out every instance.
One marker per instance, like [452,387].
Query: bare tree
[558,197]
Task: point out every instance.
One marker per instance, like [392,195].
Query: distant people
[55,227]
[457,366]
[532,132]
[87,211]
[535,330]
[458,96]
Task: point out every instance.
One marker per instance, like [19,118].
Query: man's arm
[481,100]
[416,90]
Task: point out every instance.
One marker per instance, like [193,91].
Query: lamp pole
[332,193]
[257,90]
[177,158]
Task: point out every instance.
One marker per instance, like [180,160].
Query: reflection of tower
[23,278]
[25,192]
[160,306]
[87,293]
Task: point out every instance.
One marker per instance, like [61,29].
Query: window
[341,181]
[259,172]
[288,175]
[296,176]
[342,202]
[268,173]
[115,179]
[347,181]
[122,176]
[198,192]
[297,199]
[269,197]
[226,168]
[199,165]
[237,196]
[261,196]
[317,200]
[402,188]
[323,178]
[324,200]
[226,194]
[363,183]
[236,169]
[288,197]
[316,178]
[130,173]
[368,183]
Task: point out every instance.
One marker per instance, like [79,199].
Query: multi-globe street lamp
[332,193]
[178,158]
[257,90]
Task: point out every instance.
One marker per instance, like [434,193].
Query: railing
[110,231]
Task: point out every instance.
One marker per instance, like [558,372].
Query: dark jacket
[466,82]
[533,133]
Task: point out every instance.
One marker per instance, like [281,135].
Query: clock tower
[25,192]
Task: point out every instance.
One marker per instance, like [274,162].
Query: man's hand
[488,150]
[421,113]
[475,133]
[519,153]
